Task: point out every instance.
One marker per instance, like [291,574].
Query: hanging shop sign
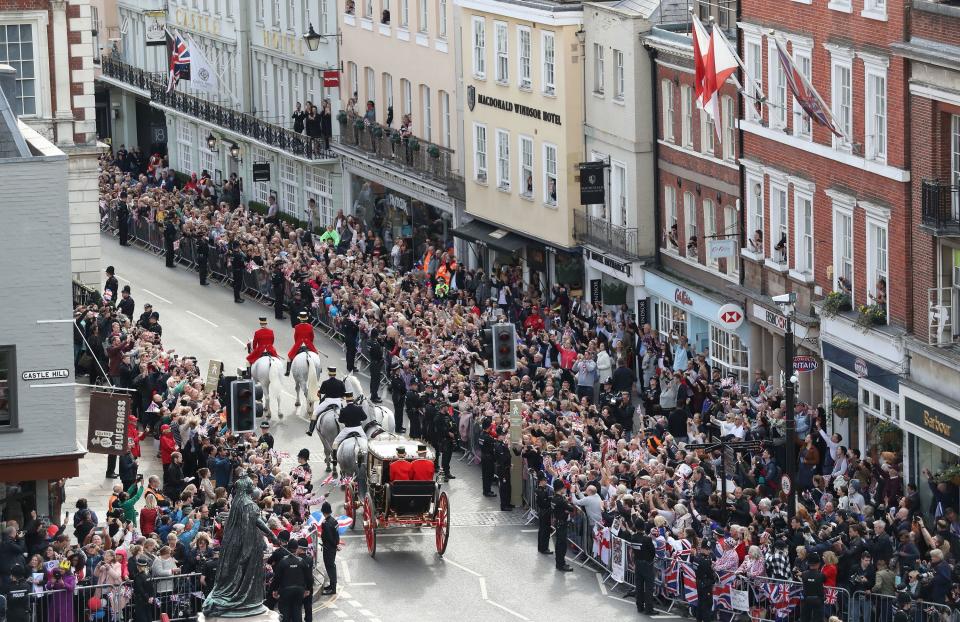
[261,171]
[610,262]
[592,183]
[730,316]
[860,366]
[596,291]
[331,79]
[643,311]
[719,249]
[107,429]
[155,30]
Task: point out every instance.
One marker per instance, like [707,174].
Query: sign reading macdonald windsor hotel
[933,421]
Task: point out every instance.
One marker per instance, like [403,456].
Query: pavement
[491,570]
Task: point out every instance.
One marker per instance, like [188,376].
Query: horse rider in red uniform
[302,336]
[262,343]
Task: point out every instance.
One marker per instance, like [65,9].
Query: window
[549,75]
[371,94]
[729,355]
[802,126]
[289,188]
[16,50]
[877,277]
[686,117]
[442,19]
[876,114]
[261,189]
[598,68]
[710,228]
[207,160]
[753,59]
[353,77]
[778,88]
[275,13]
[843,249]
[261,10]
[503,60]
[445,118]
[424,21]
[8,387]
[671,320]
[550,181]
[803,247]
[619,81]
[368,9]
[875,9]
[730,227]
[666,91]
[840,5]
[388,88]
[523,58]
[618,195]
[707,129]
[503,160]
[728,123]
[842,97]
[185,141]
[479,48]
[955,160]
[779,224]
[406,97]
[755,230]
[427,124]
[690,224]
[95,21]
[404,14]
[480,152]
[526,166]
[671,241]
[316,185]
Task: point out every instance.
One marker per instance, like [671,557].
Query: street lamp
[235,151]
[212,143]
[787,303]
[312,37]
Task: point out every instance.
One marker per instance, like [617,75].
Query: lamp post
[212,143]
[312,38]
[787,303]
[235,152]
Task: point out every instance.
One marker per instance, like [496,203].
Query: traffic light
[504,347]
[245,408]
[486,342]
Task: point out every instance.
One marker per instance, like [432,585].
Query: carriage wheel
[442,518]
[370,525]
[348,508]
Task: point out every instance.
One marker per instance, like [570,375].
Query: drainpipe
[657,197]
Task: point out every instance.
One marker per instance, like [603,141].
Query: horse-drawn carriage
[391,503]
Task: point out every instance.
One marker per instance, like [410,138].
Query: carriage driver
[331,394]
[352,418]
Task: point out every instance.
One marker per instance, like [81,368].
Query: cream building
[522,76]
[402,56]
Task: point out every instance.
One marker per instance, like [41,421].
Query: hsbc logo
[730,316]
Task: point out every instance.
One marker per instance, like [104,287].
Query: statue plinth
[266,616]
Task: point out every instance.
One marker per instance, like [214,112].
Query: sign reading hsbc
[730,316]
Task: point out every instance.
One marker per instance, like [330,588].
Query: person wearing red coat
[534,321]
[134,436]
[262,343]
[167,445]
[302,336]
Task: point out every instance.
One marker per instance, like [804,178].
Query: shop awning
[500,239]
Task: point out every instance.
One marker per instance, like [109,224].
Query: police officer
[413,404]
[351,332]
[444,433]
[296,306]
[811,610]
[123,219]
[275,558]
[643,555]
[488,445]
[203,257]
[705,578]
[330,539]
[278,282]
[542,499]
[561,508]
[398,392]
[501,456]
[904,609]
[376,365]
[292,582]
[17,595]
[238,262]
[169,237]
[144,592]
[265,437]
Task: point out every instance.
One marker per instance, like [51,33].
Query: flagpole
[756,83]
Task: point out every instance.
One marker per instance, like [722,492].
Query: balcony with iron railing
[129,74]
[404,154]
[622,241]
[940,208]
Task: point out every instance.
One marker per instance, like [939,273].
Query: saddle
[353,434]
[373,428]
[265,353]
[302,349]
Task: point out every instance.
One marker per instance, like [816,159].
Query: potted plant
[433,151]
[871,315]
[834,303]
[891,437]
[951,475]
[377,131]
[358,124]
[342,116]
[395,137]
[414,144]
[842,406]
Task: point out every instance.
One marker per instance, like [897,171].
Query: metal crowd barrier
[179,596]
[871,607]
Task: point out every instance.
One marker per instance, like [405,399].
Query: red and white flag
[714,62]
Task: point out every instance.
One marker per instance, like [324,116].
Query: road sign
[730,316]
[45,374]
[805,363]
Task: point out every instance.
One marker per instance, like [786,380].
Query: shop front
[713,325]
[767,333]
[613,282]
[931,425]
[863,396]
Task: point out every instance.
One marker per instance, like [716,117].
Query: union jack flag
[805,94]
[671,579]
[783,597]
[830,596]
[721,591]
[179,60]
[689,584]
[327,480]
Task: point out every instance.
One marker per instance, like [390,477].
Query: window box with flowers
[871,315]
[842,406]
[834,303]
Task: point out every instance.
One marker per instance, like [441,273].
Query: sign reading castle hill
[520,109]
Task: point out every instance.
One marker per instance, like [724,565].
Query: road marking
[155,295]
[339,613]
[461,567]
[367,613]
[243,343]
[120,278]
[361,584]
[603,589]
[355,604]
[529,530]
[510,611]
[346,573]
[200,317]
[483,588]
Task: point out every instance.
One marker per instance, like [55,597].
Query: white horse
[375,412]
[305,369]
[266,371]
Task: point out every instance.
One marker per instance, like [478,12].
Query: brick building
[828,217]
[929,394]
[49,43]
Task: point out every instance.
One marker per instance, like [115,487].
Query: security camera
[785,299]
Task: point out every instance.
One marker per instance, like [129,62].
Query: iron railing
[940,208]
[623,241]
[129,74]
[407,154]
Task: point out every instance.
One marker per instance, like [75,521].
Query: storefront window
[928,456]
[729,355]
[569,268]
[671,320]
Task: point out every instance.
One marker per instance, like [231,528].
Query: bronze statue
[239,588]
